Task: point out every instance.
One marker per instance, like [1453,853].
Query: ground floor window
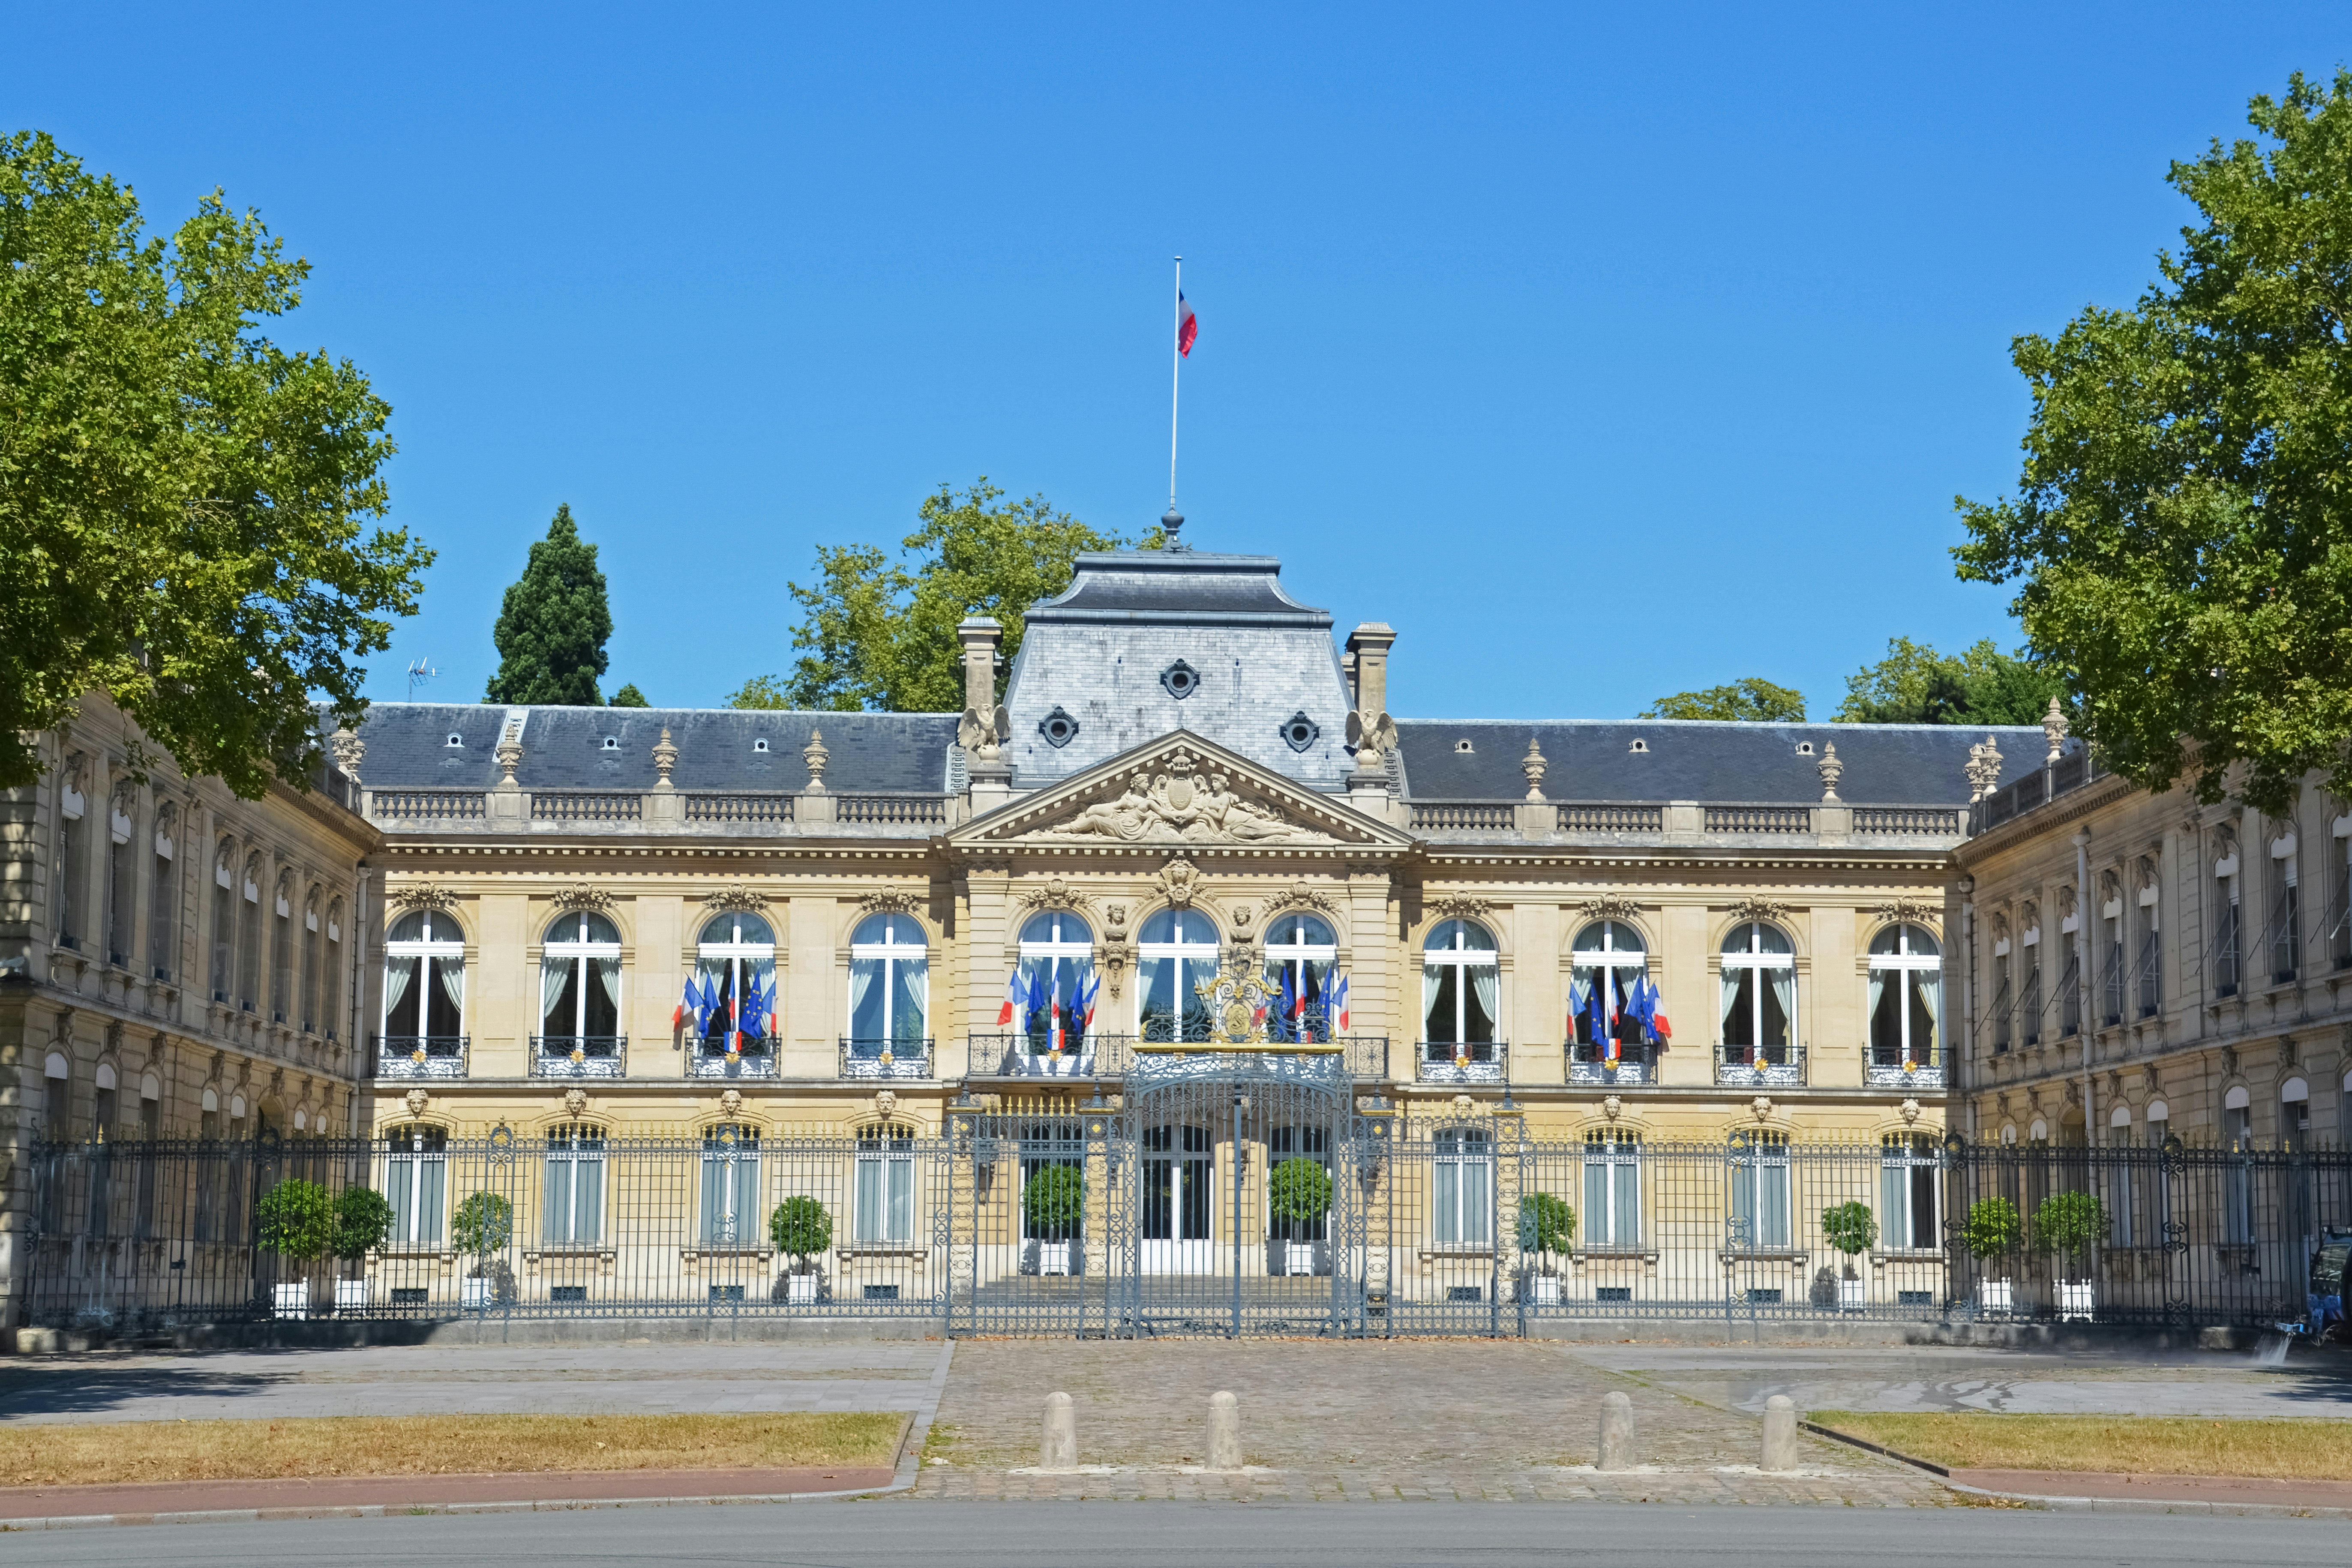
[416,1167]
[1462,1187]
[573,1210]
[730,1187]
[884,1201]
[1612,1190]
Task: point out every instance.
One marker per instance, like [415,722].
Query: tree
[1547,1224]
[551,628]
[1914,684]
[363,1220]
[1299,1189]
[800,1229]
[881,633]
[629,697]
[1751,698]
[483,1224]
[295,1219]
[181,500]
[2182,527]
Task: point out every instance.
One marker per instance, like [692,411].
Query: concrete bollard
[1224,1432]
[1059,1451]
[1616,1432]
[1780,1433]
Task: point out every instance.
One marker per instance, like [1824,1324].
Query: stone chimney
[983,727]
[1369,729]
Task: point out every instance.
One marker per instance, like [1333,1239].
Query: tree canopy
[881,632]
[629,697]
[181,500]
[553,627]
[1750,699]
[2182,527]
[1914,684]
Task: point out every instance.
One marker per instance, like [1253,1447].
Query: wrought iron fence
[1221,1193]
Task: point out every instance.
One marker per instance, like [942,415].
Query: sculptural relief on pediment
[1180,801]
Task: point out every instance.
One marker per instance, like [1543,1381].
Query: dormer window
[1058,728]
[458,740]
[1181,680]
[1805,748]
[612,743]
[1638,746]
[1298,731]
[760,745]
[1463,748]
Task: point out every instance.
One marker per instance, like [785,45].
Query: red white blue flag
[1188,326]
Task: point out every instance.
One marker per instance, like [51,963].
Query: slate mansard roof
[718,748]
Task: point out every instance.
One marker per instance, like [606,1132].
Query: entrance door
[1176,1201]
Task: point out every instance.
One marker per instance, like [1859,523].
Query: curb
[389,1510]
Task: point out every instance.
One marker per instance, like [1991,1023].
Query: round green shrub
[482,1224]
[1993,1227]
[1849,1227]
[1055,1199]
[2069,1222]
[295,1219]
[1299,1189]
[362,1222]
[800,1227]
[1547,1224]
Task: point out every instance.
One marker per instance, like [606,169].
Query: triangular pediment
[1177,791]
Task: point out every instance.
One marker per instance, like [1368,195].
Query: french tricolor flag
[1188,326]
[1012,999]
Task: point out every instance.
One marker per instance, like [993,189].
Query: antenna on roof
[422,670]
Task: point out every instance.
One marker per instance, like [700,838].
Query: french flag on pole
[1014,996]
[1188,326]
[1339,1003]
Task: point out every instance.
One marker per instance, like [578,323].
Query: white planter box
[350,1295]
[475,1295]
[1547,1289]
[1850,1295]
[1052,1257]
[1994,1296]
[2074,1300]
[1298,1258]
[800,1289]
[293,1301]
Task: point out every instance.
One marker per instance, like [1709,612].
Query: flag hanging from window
[1188,326]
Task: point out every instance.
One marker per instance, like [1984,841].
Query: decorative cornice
[1608,907]
[1302,895]
[581,896]
[421,896]
[1757,909]
[738,896]
[1453,908]
[891,901]
[1917,911]
[1179,881]
[1053,893]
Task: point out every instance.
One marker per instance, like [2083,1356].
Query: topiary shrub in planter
[801,1228]
[1297,1193]
[362,1223]
[295,1219]
[1546,1228]
[482,1224]
[1054,1205]
[1851,1229]
[2071,1224]
[1993,1230]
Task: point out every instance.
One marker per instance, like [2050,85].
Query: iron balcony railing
[1889,1068]
[1760,1066]
[1032,1056]
[420,1055]
[1461,1061]
[755,1057]
[579,1056]
[887,1058]
[1588,1063]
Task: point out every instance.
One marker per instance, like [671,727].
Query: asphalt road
[888,1535]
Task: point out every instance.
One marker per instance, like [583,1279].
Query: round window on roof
[1638,746]
[612,743]
[457,740]
[1058,728]
[760,745]
[1299,731]
[1464,747]
[1181,680]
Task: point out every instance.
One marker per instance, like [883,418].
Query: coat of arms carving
[1181,802]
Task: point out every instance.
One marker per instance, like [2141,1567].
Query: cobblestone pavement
[1368,1420]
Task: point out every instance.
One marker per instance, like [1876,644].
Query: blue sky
[1604,352]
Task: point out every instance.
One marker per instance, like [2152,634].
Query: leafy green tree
[2182,527]
[629,697]
[1914,684]
[362,1222]
[181,500]
[1054,1200]
[1547,1224]
[1849,1227]
[2070,1223]
[295,1219]
[800,1229]
[881,633]
[1752,698]
[1993,1228]
[483,1224]
[1299,1189]
[553,627]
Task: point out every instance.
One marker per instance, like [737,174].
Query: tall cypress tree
[551,628]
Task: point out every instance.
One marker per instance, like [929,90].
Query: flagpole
[1175,378]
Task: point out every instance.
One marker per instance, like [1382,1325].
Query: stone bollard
[1224,1432]
[1780,1433]
[1616,1432]
[1059,1451]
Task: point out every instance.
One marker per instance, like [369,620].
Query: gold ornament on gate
[1237,999]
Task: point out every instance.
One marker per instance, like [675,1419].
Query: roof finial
[1172,525]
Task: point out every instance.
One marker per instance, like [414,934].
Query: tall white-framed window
[224,964]
[332,1019]
[2111,951]
[1057,966]
[424,983]
[415,1182]
[2123,1182]
[2029,990]
[890,982]
[2229,926]
[2286,913]
[122,873]
[248,937]
[1462,1187]
[1607,956]
[164,913]
[573,1212]
[1301,951]
[1760,996]
[2149,965]
[281,952]
[1612,1190]
[882,1203]
[2238,1138]
[312,939]
[730,1187]
[1760,1190]
[579,985]
[1909,1178]
[735,961]
[1461,987]
[1906,982]
[1176,953]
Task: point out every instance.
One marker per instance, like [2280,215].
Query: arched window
[1177,951]
[1907,974]
[735,970]
[164,913]
[333,1014]
[1460,991]
[580,986]
[1910,1176]
[425,985]
[1301,953]
[224,973]
[1605,961]
[1760,1190]
[731,1216]
[1759,996]
[248,937]
[281,951]
[1058,967]
[1613,1196]
[890,983]
[883,1202]
[574,1213]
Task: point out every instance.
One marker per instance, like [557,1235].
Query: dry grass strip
[136,1451]
[2117,1444]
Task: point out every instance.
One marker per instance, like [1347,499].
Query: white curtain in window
[554,973]
[909,1008]
[608,978]
[398,974]
[863,973]
[1731,979]
[1431,978]
[1485,985]
[1928,996]
[1878,978]
[453,982]
[1784,990]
